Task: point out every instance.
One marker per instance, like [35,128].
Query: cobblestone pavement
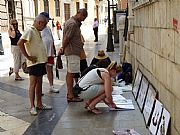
[64,118]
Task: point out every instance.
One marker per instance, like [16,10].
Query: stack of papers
[121,103]
[119,90]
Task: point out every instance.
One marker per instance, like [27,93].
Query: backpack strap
[99,72]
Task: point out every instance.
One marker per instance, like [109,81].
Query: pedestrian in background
[53,25]
[18,57]
[32,46]
[48,40]
[71,47]
[95,29]
[58,26]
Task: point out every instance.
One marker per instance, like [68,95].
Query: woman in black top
[19,59]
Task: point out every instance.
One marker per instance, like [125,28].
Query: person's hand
[61,51]
[32,58]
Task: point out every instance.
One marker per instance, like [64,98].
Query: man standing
[48,41]
[71,47]
[31,45]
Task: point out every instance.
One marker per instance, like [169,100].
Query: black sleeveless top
[16,38]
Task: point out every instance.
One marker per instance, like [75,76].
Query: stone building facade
[154,47]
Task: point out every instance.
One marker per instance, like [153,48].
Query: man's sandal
[74,99]
[94,110]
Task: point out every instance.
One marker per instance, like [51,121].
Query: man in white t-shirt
[48,40]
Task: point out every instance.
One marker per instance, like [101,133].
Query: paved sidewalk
[64,119]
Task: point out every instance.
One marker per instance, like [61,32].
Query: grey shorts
[92,91]
[73,64]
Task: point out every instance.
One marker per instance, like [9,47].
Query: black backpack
[87,70]
[126,74]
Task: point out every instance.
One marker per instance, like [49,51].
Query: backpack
[126,74]
[87,70]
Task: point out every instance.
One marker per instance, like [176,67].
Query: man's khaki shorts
[73,63]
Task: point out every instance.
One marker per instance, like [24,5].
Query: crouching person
[98,87]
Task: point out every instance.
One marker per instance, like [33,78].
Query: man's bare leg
[49,74]
[32,86]
[39,91]
[69,82]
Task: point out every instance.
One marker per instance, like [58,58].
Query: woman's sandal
[94,110]
[87,105]
[74,99]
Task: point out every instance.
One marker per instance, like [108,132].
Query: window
[77,6]
[46,6]
[57,8]
[86,6]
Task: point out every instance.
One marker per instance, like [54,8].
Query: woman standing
[19,59]
[95,28]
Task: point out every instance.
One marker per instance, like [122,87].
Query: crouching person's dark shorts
[37,70]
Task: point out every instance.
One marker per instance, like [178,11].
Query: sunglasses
[14,23]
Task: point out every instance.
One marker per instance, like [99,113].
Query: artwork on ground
[164,123]
[137,83]
[142,92]
[149,102]
[155,119]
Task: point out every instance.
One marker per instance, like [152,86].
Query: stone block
[151,61]
[167,98]
[161,69]
[177,48]
[147,38]
[173,131]
[160,14]
[167,44]
[155,40]
[169,75]
[175,80]
[174,12]
[177,114]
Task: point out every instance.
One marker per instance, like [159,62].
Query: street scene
[98,67]
[64,118]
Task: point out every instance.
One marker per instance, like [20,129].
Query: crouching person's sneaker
[33,111]
[53,90]
[44,107]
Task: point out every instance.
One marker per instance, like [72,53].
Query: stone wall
[154,47]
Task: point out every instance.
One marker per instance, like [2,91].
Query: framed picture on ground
[164,123]
[142,92]
[156,117]
[149,103]
[137,82]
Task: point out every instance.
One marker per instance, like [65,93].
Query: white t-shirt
[48,40]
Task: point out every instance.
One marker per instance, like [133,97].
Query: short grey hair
[83,11]
[41,18]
